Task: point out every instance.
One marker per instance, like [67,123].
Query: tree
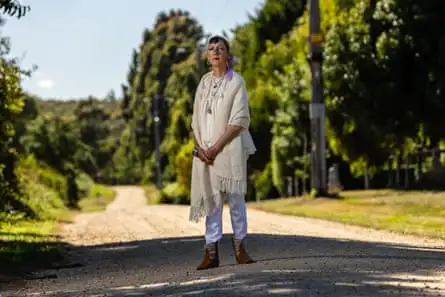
[94,129]
[11,105]
[13,8]
[152,65]
[290,129]
[56,142]
[416,60]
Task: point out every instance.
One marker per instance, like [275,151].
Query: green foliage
[44,201]
[179,92]
[126,167]
[172,194]
[263,185]
[85,184]
[27,246]
[383,85]
[184,162]
[42,193]
[46,176]
[372,51]
[152,195]
[354,123]
[54,141]
[171,42]
[290,127]
[11,104]
[98,197]
[179,191]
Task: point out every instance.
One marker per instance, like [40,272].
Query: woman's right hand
[203,157]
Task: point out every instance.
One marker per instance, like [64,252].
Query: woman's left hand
[213,151]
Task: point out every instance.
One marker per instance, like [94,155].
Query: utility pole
[317,108]
[157,122]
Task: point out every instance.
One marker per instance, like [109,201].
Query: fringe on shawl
[197,212]
[229,185]
[224,185]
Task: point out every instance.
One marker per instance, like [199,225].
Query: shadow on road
[287,266]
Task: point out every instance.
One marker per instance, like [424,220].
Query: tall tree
[11,105]
[172,40]
[13,8]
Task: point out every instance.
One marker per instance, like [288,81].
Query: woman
[220,124]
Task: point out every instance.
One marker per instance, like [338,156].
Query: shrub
[183,164]
[263,185]
[44,175]
[172,194]
[84,184]
[44,201]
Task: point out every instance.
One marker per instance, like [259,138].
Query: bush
[41,191]
[44,201]
[263,184]
[84,184]
[433,179]
[172,194]
[180,192]
[152,195]
[46,176]
[98,190]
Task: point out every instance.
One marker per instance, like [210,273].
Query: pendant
[209,110]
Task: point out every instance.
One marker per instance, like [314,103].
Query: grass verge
[416,213]
[98,199]
[31,245]
[27,246]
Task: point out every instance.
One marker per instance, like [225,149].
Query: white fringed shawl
[230,166]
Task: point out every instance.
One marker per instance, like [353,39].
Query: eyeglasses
[216,49]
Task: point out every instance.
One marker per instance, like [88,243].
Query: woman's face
[217,54]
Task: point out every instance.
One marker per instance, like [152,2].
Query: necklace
[214,89]
[216,84]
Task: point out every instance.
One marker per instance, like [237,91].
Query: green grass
[30,245]
[27,246]
[98,199]
[416,213]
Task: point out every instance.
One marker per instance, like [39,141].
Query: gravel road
[133,249]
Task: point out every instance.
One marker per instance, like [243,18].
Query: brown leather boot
[242,257]
[211,257]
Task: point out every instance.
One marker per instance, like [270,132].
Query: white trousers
[238,216]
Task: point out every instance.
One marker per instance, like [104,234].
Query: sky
[83,47]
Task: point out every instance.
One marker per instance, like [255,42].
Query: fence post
[390,171]
[398,167]
[334,183]
[366,178]
[297,186]
[419,163]
[289,186]
[407,172]
[436,157]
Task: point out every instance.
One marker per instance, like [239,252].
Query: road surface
[133,249]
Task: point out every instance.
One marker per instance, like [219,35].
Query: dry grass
[418,213]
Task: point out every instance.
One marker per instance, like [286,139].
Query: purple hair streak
[231,66]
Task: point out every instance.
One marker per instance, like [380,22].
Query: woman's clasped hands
[209,154]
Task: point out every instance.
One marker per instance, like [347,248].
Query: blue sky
[83,47]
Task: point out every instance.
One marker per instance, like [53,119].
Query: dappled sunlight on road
[133,249]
